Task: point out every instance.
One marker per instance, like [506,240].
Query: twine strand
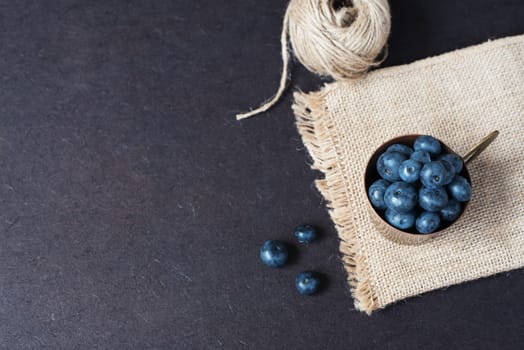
[283,78]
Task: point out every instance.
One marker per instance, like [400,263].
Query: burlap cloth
[459,97]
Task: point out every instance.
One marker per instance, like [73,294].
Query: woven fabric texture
[459,97]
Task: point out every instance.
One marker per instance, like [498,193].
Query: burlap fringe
[315,126]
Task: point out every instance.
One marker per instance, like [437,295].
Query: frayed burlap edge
[315,126]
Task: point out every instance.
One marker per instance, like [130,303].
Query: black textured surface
[133,204]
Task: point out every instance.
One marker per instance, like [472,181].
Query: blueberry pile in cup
[421,187]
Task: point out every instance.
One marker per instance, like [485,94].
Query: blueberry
[451,211]
[460,189]
[388,164]
[376,193]
[401,197]
[402,221]
[273,253]
[427,143]
[455,161]
[428,222]
[305,233]
[409,170]
[307,282]
[421,157]
[400,149]
[450,171]
[436,174]
[432,199]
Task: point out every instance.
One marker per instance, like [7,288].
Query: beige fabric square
[459,97]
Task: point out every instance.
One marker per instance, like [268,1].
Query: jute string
[337,38]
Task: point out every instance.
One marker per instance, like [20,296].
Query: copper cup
[411,237]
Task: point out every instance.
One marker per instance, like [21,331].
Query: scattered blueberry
[451,211]
[432,199]
[305,233]
[455,161]
[460,189]
[427,222]
[400,149]
[307,283]
[388,164]
[402,221]
[401,197]
[436,174]
[427,143]
[376,193]
[274,253]
[409,170]
[421,156]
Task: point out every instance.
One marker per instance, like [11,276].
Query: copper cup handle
[480,147]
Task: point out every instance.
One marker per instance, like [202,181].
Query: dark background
[133,205]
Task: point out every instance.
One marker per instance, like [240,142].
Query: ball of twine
[337,38]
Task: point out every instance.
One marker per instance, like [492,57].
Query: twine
[337,38]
